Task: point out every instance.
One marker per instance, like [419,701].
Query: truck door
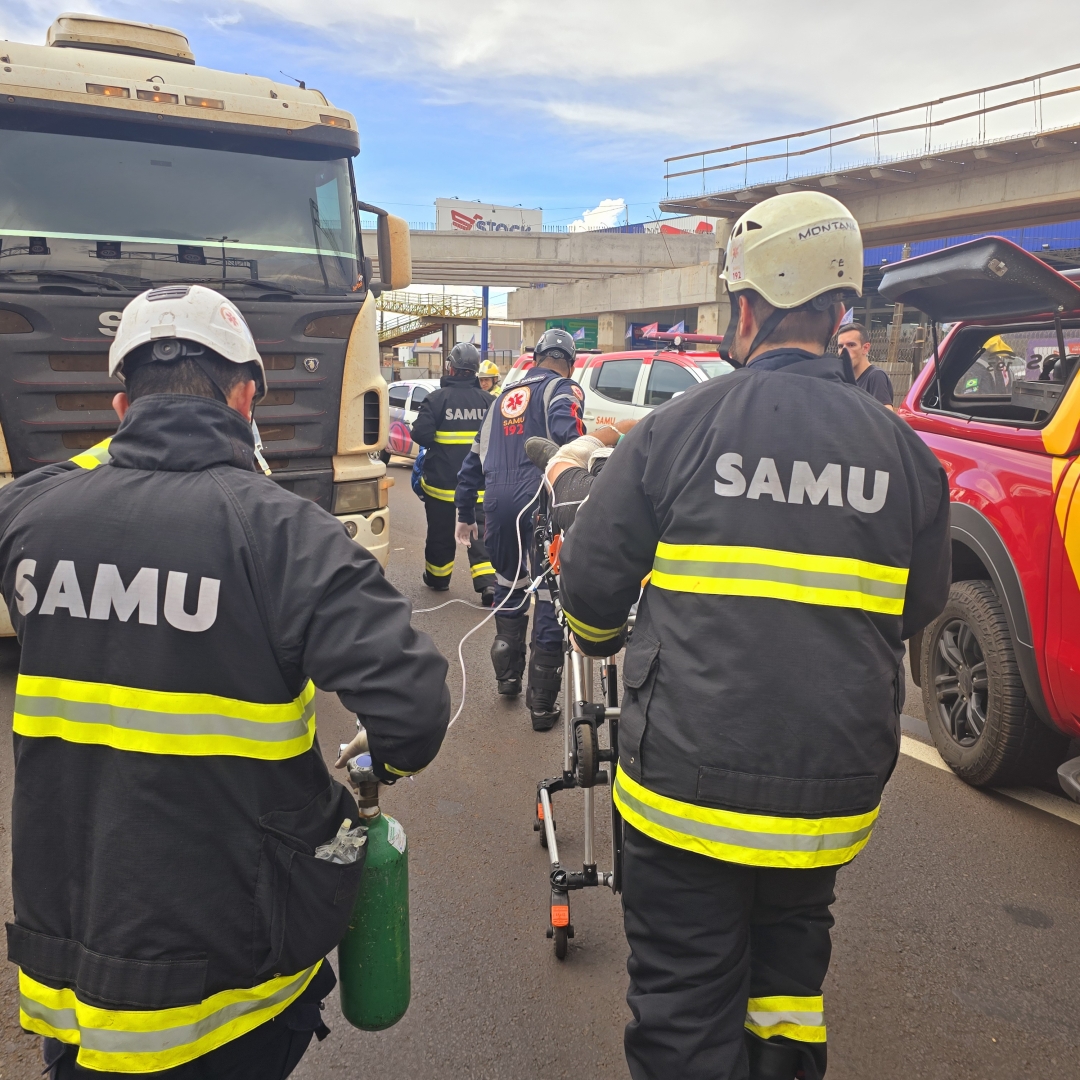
[1063,606]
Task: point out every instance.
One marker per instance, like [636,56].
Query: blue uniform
[544,404]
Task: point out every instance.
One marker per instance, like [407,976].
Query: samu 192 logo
[515,402]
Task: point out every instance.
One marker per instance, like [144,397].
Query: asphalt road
[955,951]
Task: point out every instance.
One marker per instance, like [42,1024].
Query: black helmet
[464,357]
[557,344]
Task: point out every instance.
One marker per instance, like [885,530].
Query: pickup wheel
[973,694]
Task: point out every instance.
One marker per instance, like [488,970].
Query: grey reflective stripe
[549,390]
[787,575]
[762,841]
[519,584]
[483,440]
[61,1019]
[771,1019]
[544,594]
[112,1041]
[162,723]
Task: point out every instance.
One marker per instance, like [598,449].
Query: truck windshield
[137,214]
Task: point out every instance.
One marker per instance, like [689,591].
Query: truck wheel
[973,695]
[384,456]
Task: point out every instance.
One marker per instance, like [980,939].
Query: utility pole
[897,320]
[485,292]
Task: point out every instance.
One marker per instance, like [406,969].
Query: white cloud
[608,213]
[219,22]
[627,79]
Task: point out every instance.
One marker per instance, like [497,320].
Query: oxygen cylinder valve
[363,779]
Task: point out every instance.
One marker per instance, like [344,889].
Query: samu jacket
[447,424]
[796,532]
[177,611]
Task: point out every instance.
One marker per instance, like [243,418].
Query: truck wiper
[218,283]
[46,277]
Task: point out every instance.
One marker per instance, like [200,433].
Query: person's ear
[121,404]
[242,397]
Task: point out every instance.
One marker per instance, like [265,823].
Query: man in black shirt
[855,341]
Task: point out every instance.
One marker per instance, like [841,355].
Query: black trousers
[270,1052]
[441,547]
[721,956]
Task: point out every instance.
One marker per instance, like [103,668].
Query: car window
[615,379]
[665,381]
[398,396]
[418,395]
[715,368]
[1016,375]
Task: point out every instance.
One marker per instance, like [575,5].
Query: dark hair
[855,328]
[800,325]
[183,376]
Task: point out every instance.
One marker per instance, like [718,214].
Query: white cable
[533,586]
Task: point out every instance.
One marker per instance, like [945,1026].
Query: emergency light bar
[667,335]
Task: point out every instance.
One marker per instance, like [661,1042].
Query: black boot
[773,1060]
[487,597]
[508,654]
[545,682]
[436,584]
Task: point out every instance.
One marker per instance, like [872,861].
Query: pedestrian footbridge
[1003,156]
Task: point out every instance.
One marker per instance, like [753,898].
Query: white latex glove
[465,534]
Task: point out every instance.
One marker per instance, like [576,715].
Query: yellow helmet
[997,344]
[488,370]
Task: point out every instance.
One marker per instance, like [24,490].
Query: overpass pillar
[611,332]
[708,319]
[531,332]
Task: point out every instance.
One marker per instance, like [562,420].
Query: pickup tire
[973,695]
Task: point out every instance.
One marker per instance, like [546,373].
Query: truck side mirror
[395,250]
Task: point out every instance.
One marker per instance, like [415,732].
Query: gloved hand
[466,533]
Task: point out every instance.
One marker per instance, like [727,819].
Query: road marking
[1041,800]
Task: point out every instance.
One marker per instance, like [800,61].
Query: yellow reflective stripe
[455,438]
[590,633]
[780,575]
[442,494]
[480,497]
[400,772]
[439,571]
[798,1018]
[482,569]
[750,839]
[98,454]
[141,1041]
[157,722]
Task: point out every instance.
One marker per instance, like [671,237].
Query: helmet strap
[728,341]
[219,390]
[767,328]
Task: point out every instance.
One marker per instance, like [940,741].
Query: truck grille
[371,417]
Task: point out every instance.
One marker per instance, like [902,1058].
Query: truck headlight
[356,496]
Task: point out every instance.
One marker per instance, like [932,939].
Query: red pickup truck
[999,405]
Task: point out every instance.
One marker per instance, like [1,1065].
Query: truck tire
[973,695]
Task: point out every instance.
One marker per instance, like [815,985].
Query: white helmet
[795,248]
[175,314]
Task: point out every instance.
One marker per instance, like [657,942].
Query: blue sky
[563,103]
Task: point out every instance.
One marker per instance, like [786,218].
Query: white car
[405,398]
[629,385]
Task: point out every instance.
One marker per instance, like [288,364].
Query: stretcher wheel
[543,839]
[560,942]
[586,752]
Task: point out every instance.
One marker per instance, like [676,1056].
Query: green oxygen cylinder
[373,957]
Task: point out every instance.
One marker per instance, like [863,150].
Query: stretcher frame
[583,718]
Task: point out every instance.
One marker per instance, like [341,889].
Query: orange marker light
[101,90]
[159,96]
[204,102]
[334,121]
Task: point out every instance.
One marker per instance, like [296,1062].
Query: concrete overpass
[525,259]
[1033,180]
[915,173]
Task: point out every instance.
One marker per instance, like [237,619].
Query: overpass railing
[1035,105]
